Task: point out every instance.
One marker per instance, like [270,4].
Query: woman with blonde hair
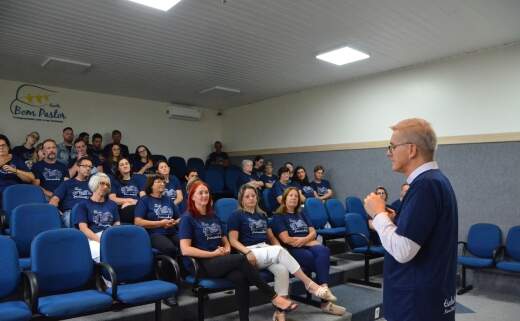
[250,234]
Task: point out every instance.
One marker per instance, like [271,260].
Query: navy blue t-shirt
[296,224]
[307,190]
[137,165]
[155,209]
[109,168]
[423,289]
[322,187]
[72,191]
[23,153]
[252,228]
[98,215]
[205,233]
[257,173]
[6,178]
[242,179]
[279,188]
[129,188]
[269,179]
[171,187]
[50,175]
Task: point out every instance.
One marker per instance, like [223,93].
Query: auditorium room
[250,160]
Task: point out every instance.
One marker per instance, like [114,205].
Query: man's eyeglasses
[392,147]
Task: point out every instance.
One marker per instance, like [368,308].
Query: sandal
[334,309]
[321,292]
[292,306]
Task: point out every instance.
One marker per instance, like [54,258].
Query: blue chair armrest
[464,246]
[196,268]
[30,290]
[100,284]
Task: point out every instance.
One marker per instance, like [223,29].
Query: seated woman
[26,151]
[142,162]
[110,163]
[297,234]
[12,169]
[173,187]
[127,188]
[301,180]
[250,235]
[96,214]
[283,183]
[201,237]
[268,177]
[36,156]
[320,185]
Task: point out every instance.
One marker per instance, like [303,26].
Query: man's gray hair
[419,132]
[93,183]
[246,161]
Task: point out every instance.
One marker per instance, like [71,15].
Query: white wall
[467,95]
[141,121]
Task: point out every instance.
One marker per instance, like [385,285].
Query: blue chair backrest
[140,179]
[315,210]
[231,178]
[268,200]
[61,260]
[224,207]
[10,276]
[354,204]
[336,212]
[157,157]
[483,238]
[513,243]
[356,223]
[29,220]
[198,164]
[128,250]
[178,166]
[215,179]
[15,195]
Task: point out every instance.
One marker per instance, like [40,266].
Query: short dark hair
[318,168]
[49,140]
[258,157]
[8,143]
[191,170]
[116,132]
[67,128]
[77,140]
[81,159]
[83,134]
[149,183]
[97,135]
[283,169]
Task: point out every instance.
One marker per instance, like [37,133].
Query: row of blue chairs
[59,283]
[484,249]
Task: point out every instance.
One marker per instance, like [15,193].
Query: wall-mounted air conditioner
[183,112]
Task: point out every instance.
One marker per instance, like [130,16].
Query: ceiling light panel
[342,56]
[163,5]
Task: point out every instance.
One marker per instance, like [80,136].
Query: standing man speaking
[421,242]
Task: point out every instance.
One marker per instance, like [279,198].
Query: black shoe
[171,301]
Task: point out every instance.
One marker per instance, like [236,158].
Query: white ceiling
[265,48]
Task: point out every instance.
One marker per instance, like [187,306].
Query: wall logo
[36,103]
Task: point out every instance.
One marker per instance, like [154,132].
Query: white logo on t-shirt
[298,226]
[51,174]
[77,192]
[449,305]
[211,230]
[162,212]
[257,226]
[102,218]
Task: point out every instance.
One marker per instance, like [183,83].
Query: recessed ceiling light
[342,56]
[163,5]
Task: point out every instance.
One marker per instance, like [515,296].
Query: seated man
[320,185]
[49,172]
[96,148]
[66,150]
[246,176]
[73,191]
[25,151]
[218,157]
[81,150]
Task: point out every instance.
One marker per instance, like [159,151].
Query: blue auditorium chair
[269,203]
[158,157]
[15,195]
[63,266]
[29,220]
[480,251]
[317,213]
[358,238]
[11,309]
[198,164]
[354,204]
[231,177]
[178,166]
[224,207]
[137,273]
[336,213]
[511,257]
[215,180]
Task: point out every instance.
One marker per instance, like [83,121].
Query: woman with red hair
[201,237]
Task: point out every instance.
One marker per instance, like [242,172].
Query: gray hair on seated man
[96,179]
[246,162]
